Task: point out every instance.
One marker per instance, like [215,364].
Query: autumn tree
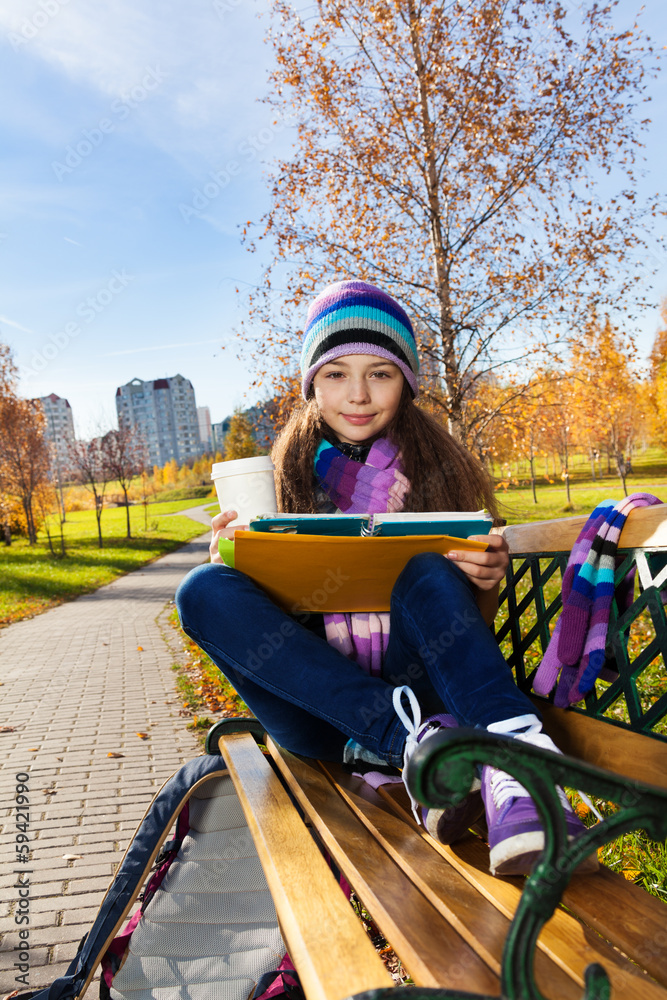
[24,453]
[533,420]
[86,459]
[658,378]
[607,390]
[239,439]
[449,152]
[123,456]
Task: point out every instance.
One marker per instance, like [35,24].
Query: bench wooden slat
[476,919]
[631,754]
[563,948]
[566,940]
[329,948]
[643,936]
[431,950]
[645,526]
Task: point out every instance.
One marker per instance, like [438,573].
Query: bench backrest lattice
[530,601]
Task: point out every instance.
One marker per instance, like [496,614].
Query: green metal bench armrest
[440,774]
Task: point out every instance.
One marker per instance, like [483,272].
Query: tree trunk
[98,515]
[48,535]
[621,469]
[127,512]
[452,379]
[592,457]
[29,521]
[532,477]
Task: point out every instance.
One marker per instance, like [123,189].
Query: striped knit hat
[352,317]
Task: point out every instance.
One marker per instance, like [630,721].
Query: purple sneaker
[516,836]
[444,825]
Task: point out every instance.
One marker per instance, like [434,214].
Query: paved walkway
[79,682]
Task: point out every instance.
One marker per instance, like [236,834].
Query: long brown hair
[443,474]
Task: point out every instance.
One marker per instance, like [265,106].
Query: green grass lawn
[33,579]
[516,498]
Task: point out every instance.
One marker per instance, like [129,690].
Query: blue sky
[134,145]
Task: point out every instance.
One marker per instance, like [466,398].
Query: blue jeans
[312,699]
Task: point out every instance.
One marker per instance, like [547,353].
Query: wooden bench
[459,931]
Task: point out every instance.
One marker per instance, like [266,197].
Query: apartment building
[59,429]
[164,413]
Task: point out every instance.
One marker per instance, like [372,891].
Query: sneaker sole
[517,856]
[449,825]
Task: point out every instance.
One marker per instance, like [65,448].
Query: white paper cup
[245,485]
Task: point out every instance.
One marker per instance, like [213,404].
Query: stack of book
[345,562]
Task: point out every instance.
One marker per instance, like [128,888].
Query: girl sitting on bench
[355,688]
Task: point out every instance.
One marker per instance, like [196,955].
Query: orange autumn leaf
[142,736]
[112,753]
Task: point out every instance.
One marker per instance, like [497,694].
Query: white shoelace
[505,787]
[415,729]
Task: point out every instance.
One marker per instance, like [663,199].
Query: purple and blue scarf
[377,486]
[576,650]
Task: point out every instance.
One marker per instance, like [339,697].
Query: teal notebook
[459,525]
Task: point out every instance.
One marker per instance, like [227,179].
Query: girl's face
[358,395]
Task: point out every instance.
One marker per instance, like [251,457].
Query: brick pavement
[75,687]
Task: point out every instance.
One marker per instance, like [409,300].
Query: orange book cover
[333,573]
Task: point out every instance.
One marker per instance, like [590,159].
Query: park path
[79,682]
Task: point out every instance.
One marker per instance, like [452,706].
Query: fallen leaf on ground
[142,736]
[113,754]
[140,648]
[33,749]
[49,791]
[72,857]
[7,729]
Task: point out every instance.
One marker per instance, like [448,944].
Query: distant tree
[606,393]
[658,379]
[86,459]
[170,472]
[24,453]
[459,155]
[123,456]
[240,440]
[48,504]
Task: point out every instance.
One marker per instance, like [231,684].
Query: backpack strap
[135,866]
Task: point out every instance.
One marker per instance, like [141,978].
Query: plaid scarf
[376,486]
[576,650]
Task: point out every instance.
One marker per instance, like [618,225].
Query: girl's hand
[220,530]
[484,569]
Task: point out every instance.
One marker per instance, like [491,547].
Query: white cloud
[206,55]
[162,347]
[17,326]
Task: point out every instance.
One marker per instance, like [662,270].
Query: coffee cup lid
[241,466]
